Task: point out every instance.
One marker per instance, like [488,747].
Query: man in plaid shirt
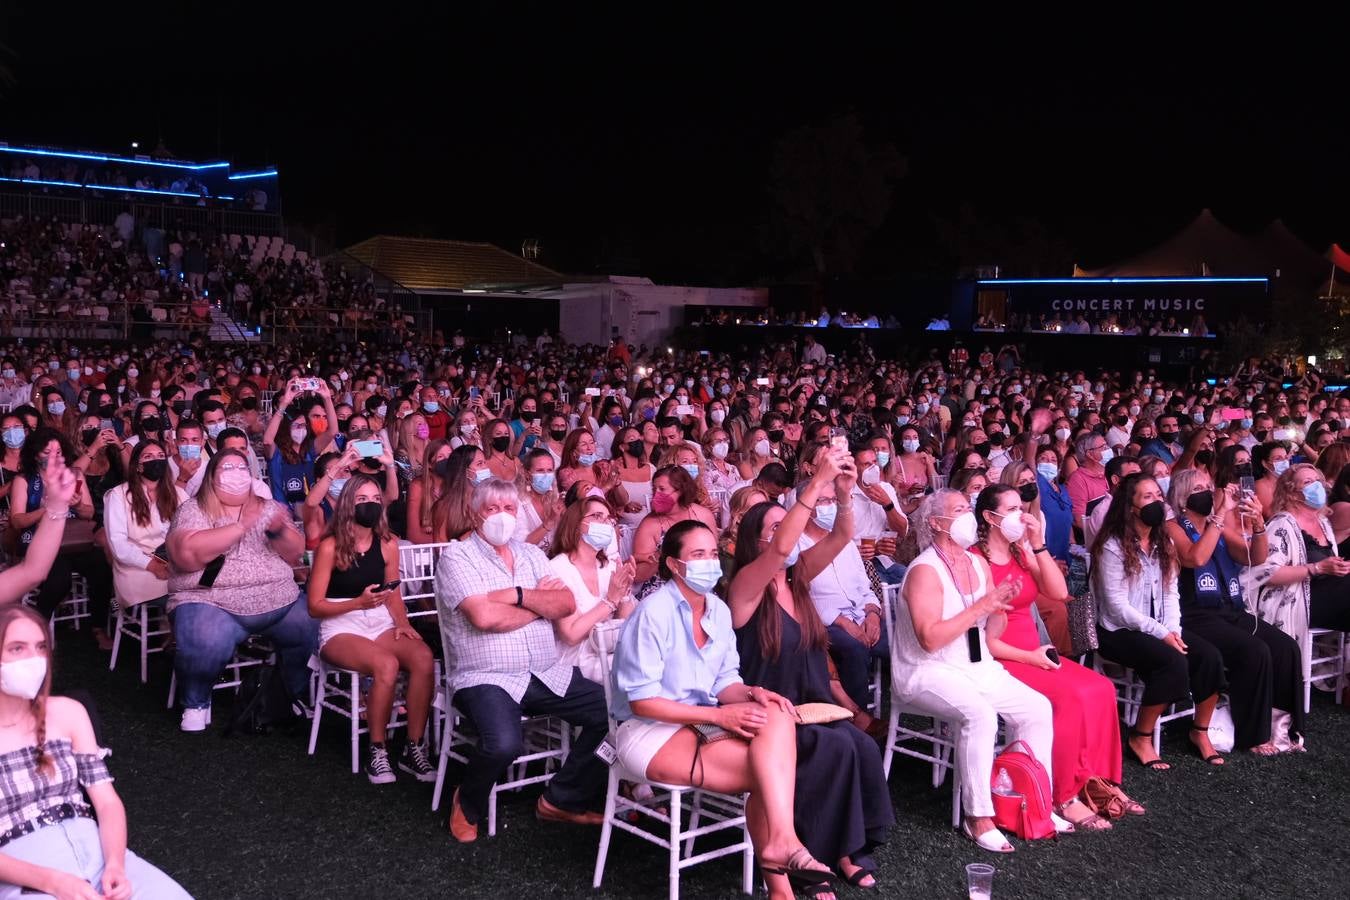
[497,601]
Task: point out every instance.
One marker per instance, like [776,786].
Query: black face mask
[501,444]
[776,436]
[1201,502]
[248,403]
[441,466]
[847,409]
[151,425]
[1122,421]
[342,424]
[1028,492]
[1169,436]
[179,406]
[527,415]
[367,515]
[107,410]
[558,434]
[154,469]
[1204,458]
[1152,514]
[88,436]
[636,448]
[1243,470]
[1261,435]
[997,438]
[190,377]
[982,448]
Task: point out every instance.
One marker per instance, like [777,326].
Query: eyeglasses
[231,467]
[599,517]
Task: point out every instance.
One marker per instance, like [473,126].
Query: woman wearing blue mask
[14,433]
[912,468]
[451,515]
[540,504]
[843,807]
[579,458]
[1304,584]
[587,561]
[1270,461]
[686,717]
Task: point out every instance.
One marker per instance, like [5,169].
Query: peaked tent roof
[1295,259]
[438,265]
[1204,247]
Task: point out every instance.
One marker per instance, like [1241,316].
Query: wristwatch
[520,597]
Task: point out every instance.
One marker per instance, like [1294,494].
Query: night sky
[624,143]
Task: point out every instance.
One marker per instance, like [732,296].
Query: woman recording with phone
[363,622]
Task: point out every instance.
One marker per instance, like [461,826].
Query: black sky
[623,139]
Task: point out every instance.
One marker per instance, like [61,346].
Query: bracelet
[888,507]
[58,517]
[872,611]
[1041,549]
[520,597]
[613,607]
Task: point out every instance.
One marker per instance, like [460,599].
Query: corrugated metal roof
[429,264]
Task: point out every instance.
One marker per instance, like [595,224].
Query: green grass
[255,817]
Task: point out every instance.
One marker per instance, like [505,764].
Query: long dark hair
[1119,526]
[344,516]
[452,507]
[166,495]
[768,623]
[36,443]
[988,501]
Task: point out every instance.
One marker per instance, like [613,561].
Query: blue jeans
[889,574]
[73,847]
[208,635]
[853,659]
[576,787]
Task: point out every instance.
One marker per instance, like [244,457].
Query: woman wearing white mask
[466,429]
[755,454]
[232,557]
[57,844]
[1271,460]
[587,562]
[1087,726]
[451,513]
[718,473]
[540,504]
[1062,443]
[912,469]
[686,717]
[942,665]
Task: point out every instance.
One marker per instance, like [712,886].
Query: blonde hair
[1286,497]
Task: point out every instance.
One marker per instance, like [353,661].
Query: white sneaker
[196,719]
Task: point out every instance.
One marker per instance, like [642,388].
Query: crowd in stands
[800,318]
[72,280]
[742,523]
[1156,325]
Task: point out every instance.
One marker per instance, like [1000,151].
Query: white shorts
[366,623]
[639,740]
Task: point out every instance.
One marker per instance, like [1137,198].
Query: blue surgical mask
[1107,455]
[1315,494]
[335,487]
[587,459]
[14,437]
[542,482]
[1246,423]
[1164,483]
[214,429]
[910,446]
[190,451]
[1048,471]
[884,457]
[1073,412]
[482,475]
[702,575]
[692,469]
[431,406]
[1279,467]
[792,557]
[725,389]
[902,421]
[1198,418]
[599,535]
[825,516]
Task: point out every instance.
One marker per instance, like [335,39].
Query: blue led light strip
[112,188]
[99,157]
[1119,280]
[271,173]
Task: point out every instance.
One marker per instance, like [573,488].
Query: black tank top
[367,569]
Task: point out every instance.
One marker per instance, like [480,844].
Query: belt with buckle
[61,813]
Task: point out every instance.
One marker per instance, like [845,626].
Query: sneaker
[378,769]
[414,761]
[195,719]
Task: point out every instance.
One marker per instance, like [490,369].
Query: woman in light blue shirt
[687,718]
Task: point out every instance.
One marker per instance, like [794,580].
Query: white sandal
[992,840]
[1062,825]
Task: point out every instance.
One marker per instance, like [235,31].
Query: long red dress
[1087,727]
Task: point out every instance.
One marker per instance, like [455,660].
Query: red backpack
[1025,812]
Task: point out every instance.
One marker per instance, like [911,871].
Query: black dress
[843,804]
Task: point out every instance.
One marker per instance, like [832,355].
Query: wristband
[520,597]
[1041,549]
[888,507]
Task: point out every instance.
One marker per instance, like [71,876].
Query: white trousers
[973,699]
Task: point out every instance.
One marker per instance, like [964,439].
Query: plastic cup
[980,881]
[937,482]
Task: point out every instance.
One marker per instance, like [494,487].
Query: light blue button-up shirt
[656,655]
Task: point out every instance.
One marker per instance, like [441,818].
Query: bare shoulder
[66,717]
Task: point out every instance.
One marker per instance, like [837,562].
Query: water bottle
[1003,785]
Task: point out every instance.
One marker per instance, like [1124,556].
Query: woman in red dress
[1087,728]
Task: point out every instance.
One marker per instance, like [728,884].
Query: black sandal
[815,890]
[799,870]
[1156,765]
[855,880]
[1214,759]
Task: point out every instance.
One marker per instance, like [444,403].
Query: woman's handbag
[1082,606]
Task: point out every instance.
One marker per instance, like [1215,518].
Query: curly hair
[933,506]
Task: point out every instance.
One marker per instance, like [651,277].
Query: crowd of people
[737,520]
[62,280]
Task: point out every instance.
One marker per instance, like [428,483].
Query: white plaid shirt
[470,568]
[25,793]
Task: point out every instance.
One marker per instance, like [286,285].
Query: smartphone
[390,585]
[1078,389]
[1052,654]
[368,449]
[839,439]
[1247,484]
[973,644]
[473,393]
[592,392]
[312,384]
[762,382]
[684,409]
[1233,415]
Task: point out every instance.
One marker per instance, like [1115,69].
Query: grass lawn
[255,817]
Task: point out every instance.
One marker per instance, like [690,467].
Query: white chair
[1130,695]
[938,735]
[1331,665]
[257,652]
[547,742]
[338,690]
[136,623]
[722,812]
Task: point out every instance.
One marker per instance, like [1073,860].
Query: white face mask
[718,416]
[498,528]
[1012,526]
[23,677]
[762,447]
[1062,434]
[720,450]
[871,475]
[964,530]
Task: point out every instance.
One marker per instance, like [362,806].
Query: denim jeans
[853,659]
[889,574]
[578,785]
[73,847]
[208,635]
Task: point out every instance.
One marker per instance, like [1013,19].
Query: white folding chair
[256,652]
[338,690]
[939,735]
[1130,696]
[141,623]
[722,812]
[1331,664]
